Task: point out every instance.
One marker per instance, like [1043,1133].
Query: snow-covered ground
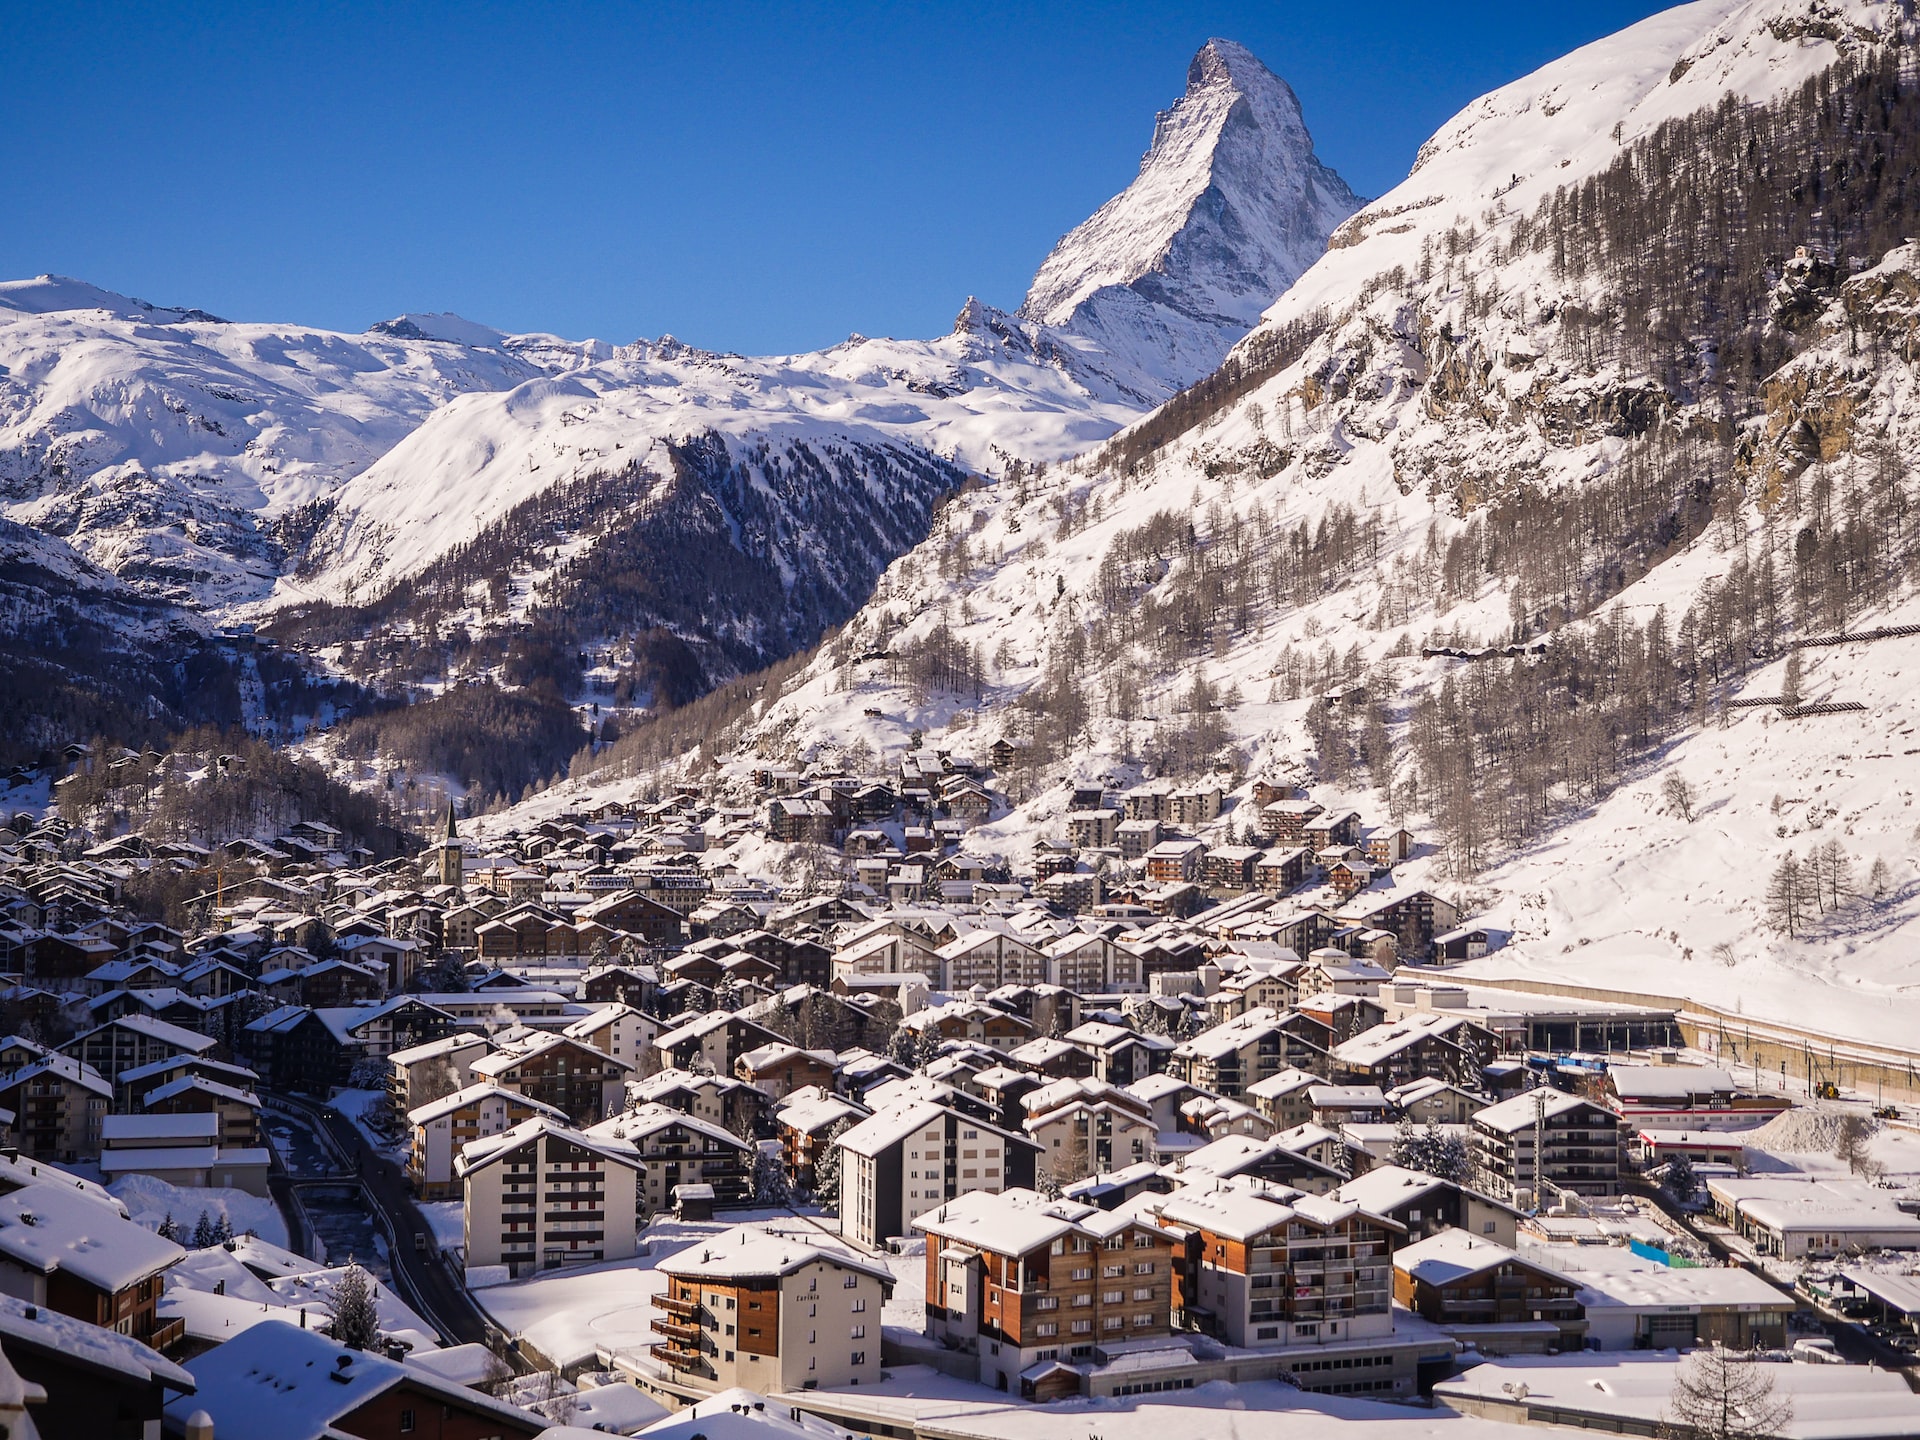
[1262,1410]
[150,1201]
[448,1221]
[567,1315]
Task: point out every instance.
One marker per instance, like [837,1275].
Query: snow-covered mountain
[1230,207]
[1569,380]
[180,450]
[243,468]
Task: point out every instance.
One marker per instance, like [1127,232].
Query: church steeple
[452,859]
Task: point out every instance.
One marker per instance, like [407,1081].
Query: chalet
[58,1105]
[1480,1291]
[1285,821]
[92,1381]
[1278,871]
[806,1125]
[1230,869]
[1330,829]
[77,1255]
[779,1069]
[634,912]
[314,1388]
[770,1311]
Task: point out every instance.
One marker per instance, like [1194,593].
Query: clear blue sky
[750,177]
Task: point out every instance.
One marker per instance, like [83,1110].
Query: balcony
[167,1334]
[674,1305]
[685,1334]
[672,1355]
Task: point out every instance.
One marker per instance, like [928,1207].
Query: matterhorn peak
[1230,206]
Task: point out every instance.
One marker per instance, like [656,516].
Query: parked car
[1817,1350]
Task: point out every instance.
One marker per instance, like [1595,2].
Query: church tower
[452,859]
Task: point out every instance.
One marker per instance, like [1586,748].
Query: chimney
[199,1426]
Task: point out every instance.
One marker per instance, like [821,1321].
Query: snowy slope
[976,397]
[1377,416]
[1229,208]
[168,445]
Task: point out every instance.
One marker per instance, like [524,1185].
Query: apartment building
[1526,1148]
[1016,1280]
[423,1073]
[1269,1268]
[771,1311]
[1088,1127]
[990,958]
[1247,1049]
[543,1195]
[58,1105]
[569,1075]
[910,1158]
[676,1149]
[444,1127]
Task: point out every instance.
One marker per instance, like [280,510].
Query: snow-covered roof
[1454,1255]
[1665,1288]
[48,1227]
[276,1381]
[889,1126]
[92,1345]
[477,1154]
[128,1129]
[1857,1401]
[1522,1110]
[1784,1203]
[761,1250]
[739,1414]
[632,1126]
[1013,1223]
[1667,1082]
[472,1095]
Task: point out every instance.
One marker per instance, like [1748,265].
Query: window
[1111,1297]
[859,1357]
[1487,1229]
[1047,1327]
[1143,1293]
[1084,1273]
[1083,1327]
[1140,1322]
[1046,1302]
[850,1282]
[969,1134]
[860,1306]
[859,1332]
[1143,1267]
[406,1421]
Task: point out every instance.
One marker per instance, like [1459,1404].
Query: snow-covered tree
[355,1319]
[826,1167]
[1681,1182]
